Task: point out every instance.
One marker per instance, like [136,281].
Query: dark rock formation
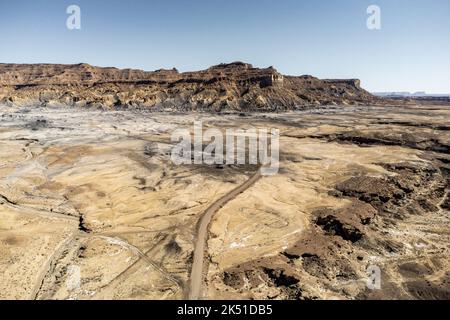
[348,222]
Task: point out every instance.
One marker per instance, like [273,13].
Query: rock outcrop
[226,87]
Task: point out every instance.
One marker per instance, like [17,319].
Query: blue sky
[324,38]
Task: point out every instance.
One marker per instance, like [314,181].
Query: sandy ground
[92,207]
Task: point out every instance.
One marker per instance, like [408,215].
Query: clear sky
[324,38]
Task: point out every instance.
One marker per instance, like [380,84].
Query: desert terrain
[92,207]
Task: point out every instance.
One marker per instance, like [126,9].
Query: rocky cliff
[226,87]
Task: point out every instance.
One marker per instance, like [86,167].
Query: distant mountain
[408,94]
[235,86]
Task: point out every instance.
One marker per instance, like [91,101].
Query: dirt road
[195,289]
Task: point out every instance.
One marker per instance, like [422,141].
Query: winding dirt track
[195,288]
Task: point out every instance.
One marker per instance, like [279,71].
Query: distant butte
[235,86]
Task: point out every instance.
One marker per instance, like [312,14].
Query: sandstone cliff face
[226,87]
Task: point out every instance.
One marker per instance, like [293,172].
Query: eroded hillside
[227,87]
